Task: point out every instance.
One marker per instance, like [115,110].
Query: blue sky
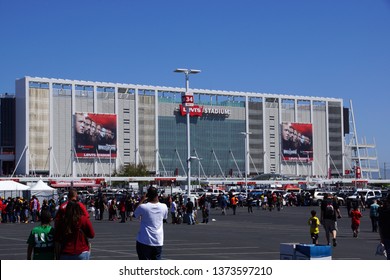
[327,48]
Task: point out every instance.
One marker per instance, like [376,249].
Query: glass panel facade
[216,141]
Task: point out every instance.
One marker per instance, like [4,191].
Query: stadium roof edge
[226,92]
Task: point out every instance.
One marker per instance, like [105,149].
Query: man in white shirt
[150,238]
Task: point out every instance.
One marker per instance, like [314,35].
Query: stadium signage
[95,135]
[199,111]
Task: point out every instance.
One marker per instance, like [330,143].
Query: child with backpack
[330,212]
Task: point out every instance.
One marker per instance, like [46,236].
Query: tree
[132,170]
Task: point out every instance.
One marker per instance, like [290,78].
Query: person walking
[384,224]
[249,202]
[314,224]
[264,201]
[355,221]
[223,203]
[73,233]
[52,207]
[173,209]
[129,208]
[374,208]
[34,208]
[234,203]
[112,210]
[330,212]
[190,211]
[102,206]
[122,210]
[18,209]
[72,196]
[206,211]
[41,240]
[150,238]
[97,209]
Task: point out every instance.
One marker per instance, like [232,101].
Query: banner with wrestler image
[95,135]
[297,141]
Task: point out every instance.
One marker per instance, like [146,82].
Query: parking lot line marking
[212,248]
[224,254]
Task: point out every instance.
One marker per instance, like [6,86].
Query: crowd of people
[330,213]
[266,200]
[65,227]
[21,210]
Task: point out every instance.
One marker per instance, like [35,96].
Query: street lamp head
[187,71]
[194,71]
[194,157]
[245,133]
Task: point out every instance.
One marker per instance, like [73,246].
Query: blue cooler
[313,252]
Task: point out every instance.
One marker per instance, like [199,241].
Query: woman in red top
[355,217]
[72,235]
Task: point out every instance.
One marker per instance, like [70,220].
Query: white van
[367,195]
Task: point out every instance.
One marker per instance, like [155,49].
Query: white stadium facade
[133,124]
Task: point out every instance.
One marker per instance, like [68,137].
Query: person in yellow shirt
[314,224]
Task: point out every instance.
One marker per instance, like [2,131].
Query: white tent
[41,186]
[10,185]
[9,188]
[43,191]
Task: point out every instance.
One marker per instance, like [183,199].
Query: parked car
[367,195]
[318,197]
[345,193]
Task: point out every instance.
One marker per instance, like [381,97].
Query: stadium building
[82,128]
[7,134]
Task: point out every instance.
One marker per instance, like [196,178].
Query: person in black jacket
[330,212]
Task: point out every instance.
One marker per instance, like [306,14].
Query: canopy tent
[43,191]
[9,188]
[10,185]
[41,186]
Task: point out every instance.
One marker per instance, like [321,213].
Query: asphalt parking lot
[245,236]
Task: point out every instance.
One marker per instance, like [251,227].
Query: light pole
[110,167]
[49,149]
[187,73]
[246,162]
[384,170]
[198,159]
[308,163]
